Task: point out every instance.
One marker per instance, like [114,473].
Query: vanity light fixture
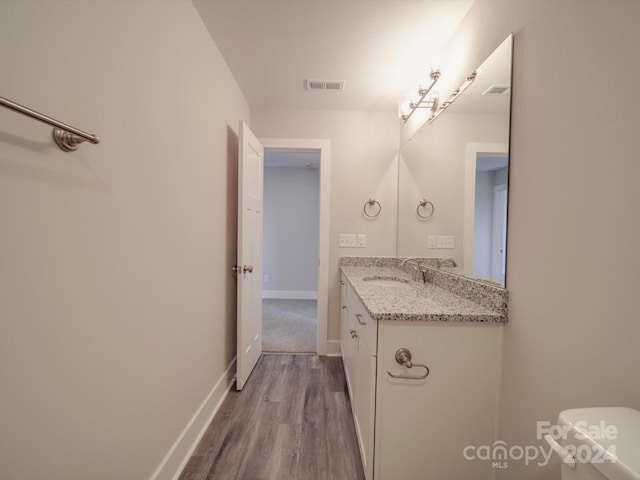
[452,98]
[409,106]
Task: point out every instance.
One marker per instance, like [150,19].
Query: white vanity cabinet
[424,426]
[420,428]
[348,342]
[358,341]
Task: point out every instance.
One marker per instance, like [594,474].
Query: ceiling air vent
[324,85]
[497,90]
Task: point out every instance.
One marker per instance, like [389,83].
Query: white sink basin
[387,281]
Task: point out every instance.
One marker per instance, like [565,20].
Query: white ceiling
[380,48]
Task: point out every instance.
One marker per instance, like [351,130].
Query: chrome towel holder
[403,357]
[423,204]
[371,203]
[68,138]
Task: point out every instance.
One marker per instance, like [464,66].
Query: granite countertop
[413,301]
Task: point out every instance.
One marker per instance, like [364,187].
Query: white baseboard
[333,348]
[290,294]
[174,462]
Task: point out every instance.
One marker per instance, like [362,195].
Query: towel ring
[423,203]
[403,357]
[371,203]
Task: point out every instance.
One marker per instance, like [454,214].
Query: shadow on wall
[75,172]
[231,247]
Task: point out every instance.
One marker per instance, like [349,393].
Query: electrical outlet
[362,241]
[266,279]
[445,241]
[347,240]
[431,241]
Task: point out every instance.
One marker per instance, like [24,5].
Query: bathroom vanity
[415,421]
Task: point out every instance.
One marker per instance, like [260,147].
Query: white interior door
[249,268]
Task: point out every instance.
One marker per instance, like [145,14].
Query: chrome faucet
[447,262]
[416,262]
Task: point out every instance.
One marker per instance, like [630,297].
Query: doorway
[290,250]
[485,211]
[490,222]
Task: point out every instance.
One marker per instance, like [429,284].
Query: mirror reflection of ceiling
[495,71]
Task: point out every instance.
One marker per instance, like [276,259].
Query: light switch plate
[362,241]
[445,241]
[347,240]
[431,241]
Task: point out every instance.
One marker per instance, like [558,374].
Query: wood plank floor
[292,421]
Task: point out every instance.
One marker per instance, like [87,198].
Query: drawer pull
[403,357]
[358,317]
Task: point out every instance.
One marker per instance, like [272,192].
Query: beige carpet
[289,325]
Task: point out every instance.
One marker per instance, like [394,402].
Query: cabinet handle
[358,317]
[403,357]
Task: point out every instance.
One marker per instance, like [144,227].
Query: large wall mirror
[459,163]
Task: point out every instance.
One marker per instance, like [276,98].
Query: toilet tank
[604,443]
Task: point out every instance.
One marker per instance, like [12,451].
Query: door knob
[247,268]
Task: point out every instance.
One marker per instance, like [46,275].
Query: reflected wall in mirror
[460,163]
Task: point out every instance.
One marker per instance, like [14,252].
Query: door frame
[324,147]
[499,231]
[472,151]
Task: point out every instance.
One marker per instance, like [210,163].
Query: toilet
[597,443]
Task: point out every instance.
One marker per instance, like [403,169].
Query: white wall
[117,312]
[364,148]
[291,216]
[573,329]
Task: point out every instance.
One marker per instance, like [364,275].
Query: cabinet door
[423,426]
[348,341]
[367,328]
[364,408]
[351,355]
[344,320]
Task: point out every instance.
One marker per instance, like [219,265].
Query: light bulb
[404,108]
